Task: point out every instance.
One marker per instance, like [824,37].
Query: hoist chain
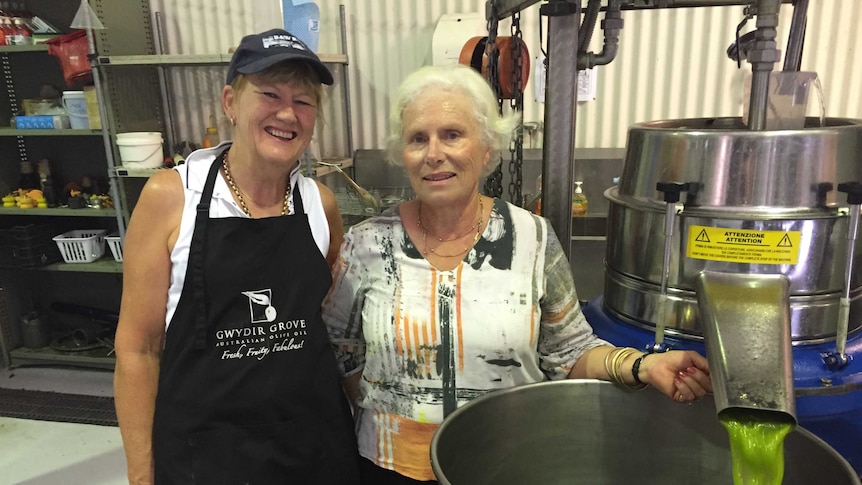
[516,146]
[494,181]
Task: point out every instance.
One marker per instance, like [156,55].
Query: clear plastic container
[787,99]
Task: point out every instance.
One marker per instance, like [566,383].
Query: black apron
[249,392]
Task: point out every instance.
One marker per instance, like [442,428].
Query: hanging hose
[585,34]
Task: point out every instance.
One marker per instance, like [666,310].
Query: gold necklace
[239,196]
[477,227]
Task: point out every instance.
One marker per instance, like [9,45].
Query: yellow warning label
[743,245]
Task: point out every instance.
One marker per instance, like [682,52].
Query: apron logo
[260,307]
[260,341]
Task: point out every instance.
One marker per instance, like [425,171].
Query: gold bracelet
[608,358]
[613,362]
[618,363]
[615,374]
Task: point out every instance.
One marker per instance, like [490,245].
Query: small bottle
[579,201]
[49,190]
[28,179]
[6,30]
[22,34]
[211,137]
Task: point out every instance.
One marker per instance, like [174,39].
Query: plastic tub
[76,107]
[141,149]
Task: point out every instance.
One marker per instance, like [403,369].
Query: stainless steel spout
[746,322]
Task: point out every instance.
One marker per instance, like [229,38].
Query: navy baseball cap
[259,51]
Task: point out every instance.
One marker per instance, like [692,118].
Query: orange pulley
[474,54]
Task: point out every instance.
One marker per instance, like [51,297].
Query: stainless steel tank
[759,202]
[757,261]
[591,432]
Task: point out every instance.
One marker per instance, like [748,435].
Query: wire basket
[82,245]
[116,245]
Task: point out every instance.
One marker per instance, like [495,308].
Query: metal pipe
[661,321]
[165,86]
[757,101]
[558,151]
[345,81]
[671,192]
[611,25]
[762,58]
[655,4]
[505,8]
[796,38]
[106,136]
[854,199]
[844,320]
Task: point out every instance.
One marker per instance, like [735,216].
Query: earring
[233,121]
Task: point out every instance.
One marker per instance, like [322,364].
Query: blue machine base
[835,417]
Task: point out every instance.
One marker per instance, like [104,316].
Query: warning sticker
[743,245]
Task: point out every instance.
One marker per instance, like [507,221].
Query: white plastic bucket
[141,149]
[139,134]
[76,106]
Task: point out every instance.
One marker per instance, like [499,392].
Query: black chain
[516,146]
[493,54]
[494,181]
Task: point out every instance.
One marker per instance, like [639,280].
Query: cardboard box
[42,122]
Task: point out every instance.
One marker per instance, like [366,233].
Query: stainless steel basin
[591,432]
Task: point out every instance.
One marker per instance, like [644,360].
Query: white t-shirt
[193,174]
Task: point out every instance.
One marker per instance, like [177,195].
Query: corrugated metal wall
[671,62]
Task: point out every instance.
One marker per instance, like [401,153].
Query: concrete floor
[49,453]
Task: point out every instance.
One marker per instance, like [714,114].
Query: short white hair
[496,130]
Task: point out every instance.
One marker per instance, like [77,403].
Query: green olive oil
[756,445]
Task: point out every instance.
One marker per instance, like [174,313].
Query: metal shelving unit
[129,75]
[317,171]
[101,358]
[106,264]
[148,68]
[117,64]
[58,211]
[36,288]
[175,60]
[67,132]
[24,48]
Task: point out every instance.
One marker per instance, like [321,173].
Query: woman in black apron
[241,388]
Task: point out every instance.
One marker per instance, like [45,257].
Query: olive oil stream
[756,446]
